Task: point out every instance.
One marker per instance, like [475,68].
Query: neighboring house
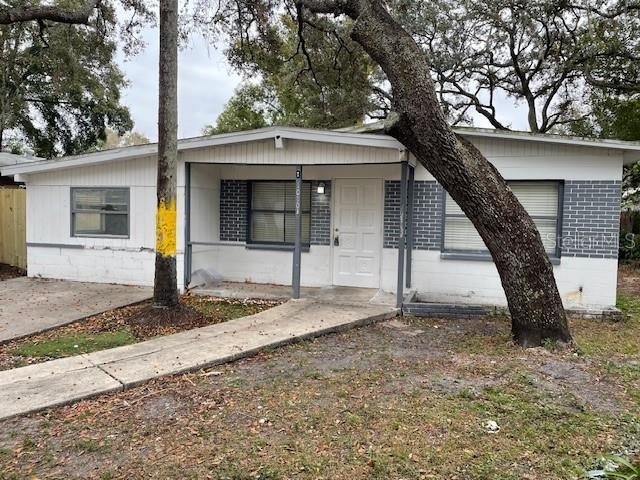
[7,159]
[91,217]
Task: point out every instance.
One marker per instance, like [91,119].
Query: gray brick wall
[234,204]
[233,210]
[391,213]
[427,214]
[591,218]
[320,213]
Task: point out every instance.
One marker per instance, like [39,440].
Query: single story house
[91,217]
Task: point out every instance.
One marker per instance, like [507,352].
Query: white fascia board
[292,133]
[377,141]
[81,160]
[631,150]
[550,138]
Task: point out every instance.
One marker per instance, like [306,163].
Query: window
[539,198]
[100,212]
[272,212]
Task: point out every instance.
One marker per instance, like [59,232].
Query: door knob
[336,241]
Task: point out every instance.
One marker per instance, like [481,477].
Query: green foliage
[245,111]
[113,139]
[628,303]
[59,86]
[75,344]
[629,251]
[549,56]
[618,117]
[619,468]
[320,79]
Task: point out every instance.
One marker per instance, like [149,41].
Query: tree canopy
[310,74]
[59,84]
[246,110]
[59,89]
[554,58]
[551,56]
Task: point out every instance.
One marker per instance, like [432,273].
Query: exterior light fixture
[321,188]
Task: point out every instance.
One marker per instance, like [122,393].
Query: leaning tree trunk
[165,290]
[510,235]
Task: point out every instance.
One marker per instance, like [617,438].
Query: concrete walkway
[33,305]
[67,380]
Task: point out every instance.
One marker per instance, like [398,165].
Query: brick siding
[427,214]
[320,213]
[234,204]
[591,218]
[233,210]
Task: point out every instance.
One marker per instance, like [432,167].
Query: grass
[112,329]
[381,402]
[66,345]
[224,310]
[603,338]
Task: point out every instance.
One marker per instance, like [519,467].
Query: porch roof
[278,134]
[353,136]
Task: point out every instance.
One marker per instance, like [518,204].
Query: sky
[205,84]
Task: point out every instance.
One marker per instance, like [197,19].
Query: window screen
[540,200]
[272,216]
[100,212]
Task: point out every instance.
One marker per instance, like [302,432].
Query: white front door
[357,232]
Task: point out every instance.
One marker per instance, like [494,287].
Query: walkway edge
[41,386]
[254,351]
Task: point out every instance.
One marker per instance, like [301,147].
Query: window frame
[250,210]
[484,253]
[73,211]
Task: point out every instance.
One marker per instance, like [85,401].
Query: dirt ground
[8,271]
[409,398]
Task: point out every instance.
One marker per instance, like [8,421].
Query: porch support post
[187,225]
[401,236]
[297,249]
[412,172]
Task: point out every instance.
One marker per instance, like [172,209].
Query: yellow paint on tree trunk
[166,228]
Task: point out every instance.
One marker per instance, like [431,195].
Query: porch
[315,219]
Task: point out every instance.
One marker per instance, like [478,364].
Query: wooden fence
[13,220]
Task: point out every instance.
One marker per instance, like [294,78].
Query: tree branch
[335,7]
[48,12]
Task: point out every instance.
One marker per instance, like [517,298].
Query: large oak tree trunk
[510,235]
[165,291]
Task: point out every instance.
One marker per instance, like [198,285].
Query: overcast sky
[205,84]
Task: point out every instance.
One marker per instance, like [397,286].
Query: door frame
[380,182]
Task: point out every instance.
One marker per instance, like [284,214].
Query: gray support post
[187,225]
[412,172]
[401,236]
[297,249]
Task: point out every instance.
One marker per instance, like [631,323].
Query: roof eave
[290,133]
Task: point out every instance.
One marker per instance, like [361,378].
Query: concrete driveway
[32,305]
